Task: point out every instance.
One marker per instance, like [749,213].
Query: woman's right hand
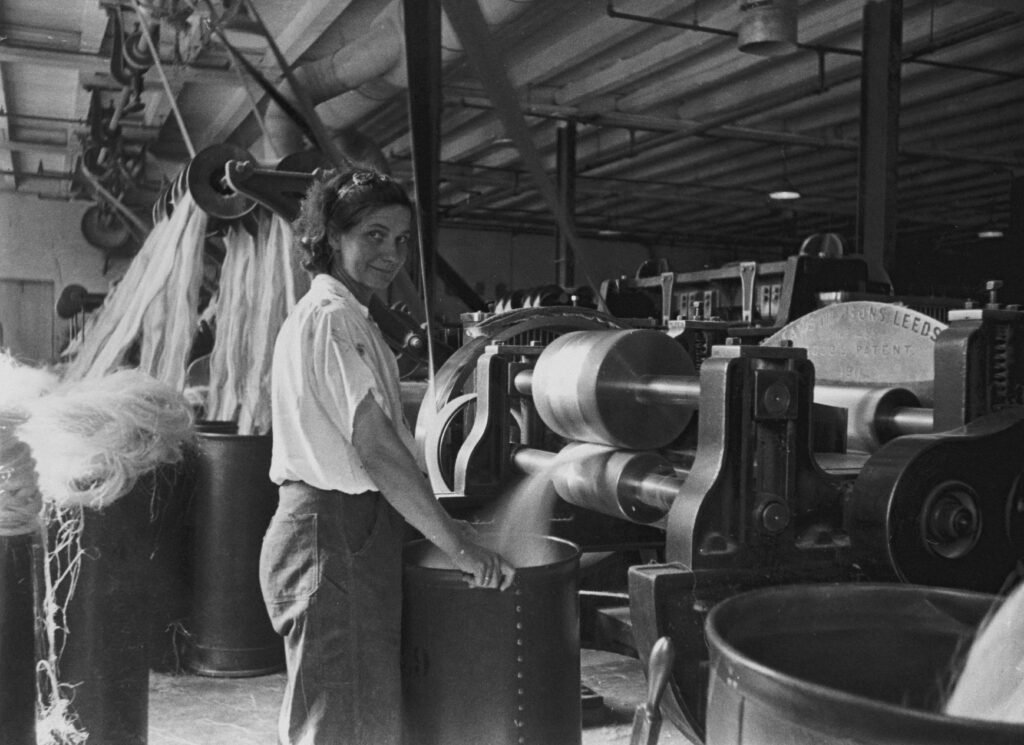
[484,567]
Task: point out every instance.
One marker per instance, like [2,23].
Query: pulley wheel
[941,510]
[586,386]
[104,229]
[204,178]
[519,327]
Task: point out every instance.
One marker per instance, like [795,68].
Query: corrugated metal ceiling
[679,134]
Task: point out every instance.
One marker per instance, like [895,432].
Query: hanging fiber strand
[57,723]
[255,294]
[230,334]
[154,305]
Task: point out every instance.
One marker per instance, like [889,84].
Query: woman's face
[373,250]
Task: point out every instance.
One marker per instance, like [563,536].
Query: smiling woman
[374,251]
[330,568]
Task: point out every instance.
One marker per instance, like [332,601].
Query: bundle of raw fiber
[20,503]
[20,382]
[92,439]
[991,684]
[255,294]
[155,305]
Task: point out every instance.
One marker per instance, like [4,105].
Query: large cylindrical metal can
[229,632]
[17,641]
[861,664]
[103,651]
[490,666]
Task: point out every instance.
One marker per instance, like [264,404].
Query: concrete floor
[195,710]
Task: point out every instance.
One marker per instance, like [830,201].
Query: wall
[40,239]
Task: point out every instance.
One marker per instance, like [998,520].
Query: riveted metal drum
[852,664]
[490,666]
[590,386]
[230,633]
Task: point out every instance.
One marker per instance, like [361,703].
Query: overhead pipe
[732,117]
[820,49]
[689,127]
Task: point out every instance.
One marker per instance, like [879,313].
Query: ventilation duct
[360,76]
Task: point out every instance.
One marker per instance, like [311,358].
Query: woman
[330,568]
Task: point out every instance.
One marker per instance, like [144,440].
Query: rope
[163,78]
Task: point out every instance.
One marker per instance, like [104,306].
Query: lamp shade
[768,28]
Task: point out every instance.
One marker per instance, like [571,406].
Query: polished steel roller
[636,390]
[876,414]
[596,386]
[636,486]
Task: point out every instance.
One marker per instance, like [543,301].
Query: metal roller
[876,415]
[611,387]
[456,376]
[637,486]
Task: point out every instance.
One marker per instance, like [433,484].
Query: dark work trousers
[331,573]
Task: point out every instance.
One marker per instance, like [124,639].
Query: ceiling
[679,135]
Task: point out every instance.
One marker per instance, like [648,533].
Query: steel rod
[911,420]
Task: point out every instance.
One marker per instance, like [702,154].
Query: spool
[489,666]
[854,663]
[230,632]
[586,385]
[768,28]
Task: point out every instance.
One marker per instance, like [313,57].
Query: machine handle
[659,668]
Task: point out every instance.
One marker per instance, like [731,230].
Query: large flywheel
[446,416]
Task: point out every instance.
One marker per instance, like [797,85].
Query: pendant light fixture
[784,191]
[768,28]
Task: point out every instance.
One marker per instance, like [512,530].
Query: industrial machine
[788,443]
[750,468]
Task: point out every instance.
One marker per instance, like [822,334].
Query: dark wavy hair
[334,203]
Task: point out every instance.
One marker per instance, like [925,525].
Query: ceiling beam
[94,27]
[93,64]
[22,146]
[93,22]
[1010,6]
[639,122]
[6,161]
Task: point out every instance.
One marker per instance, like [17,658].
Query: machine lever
[647,720]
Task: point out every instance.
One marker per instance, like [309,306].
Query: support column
[879,133]
[423,62]
[565,267]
